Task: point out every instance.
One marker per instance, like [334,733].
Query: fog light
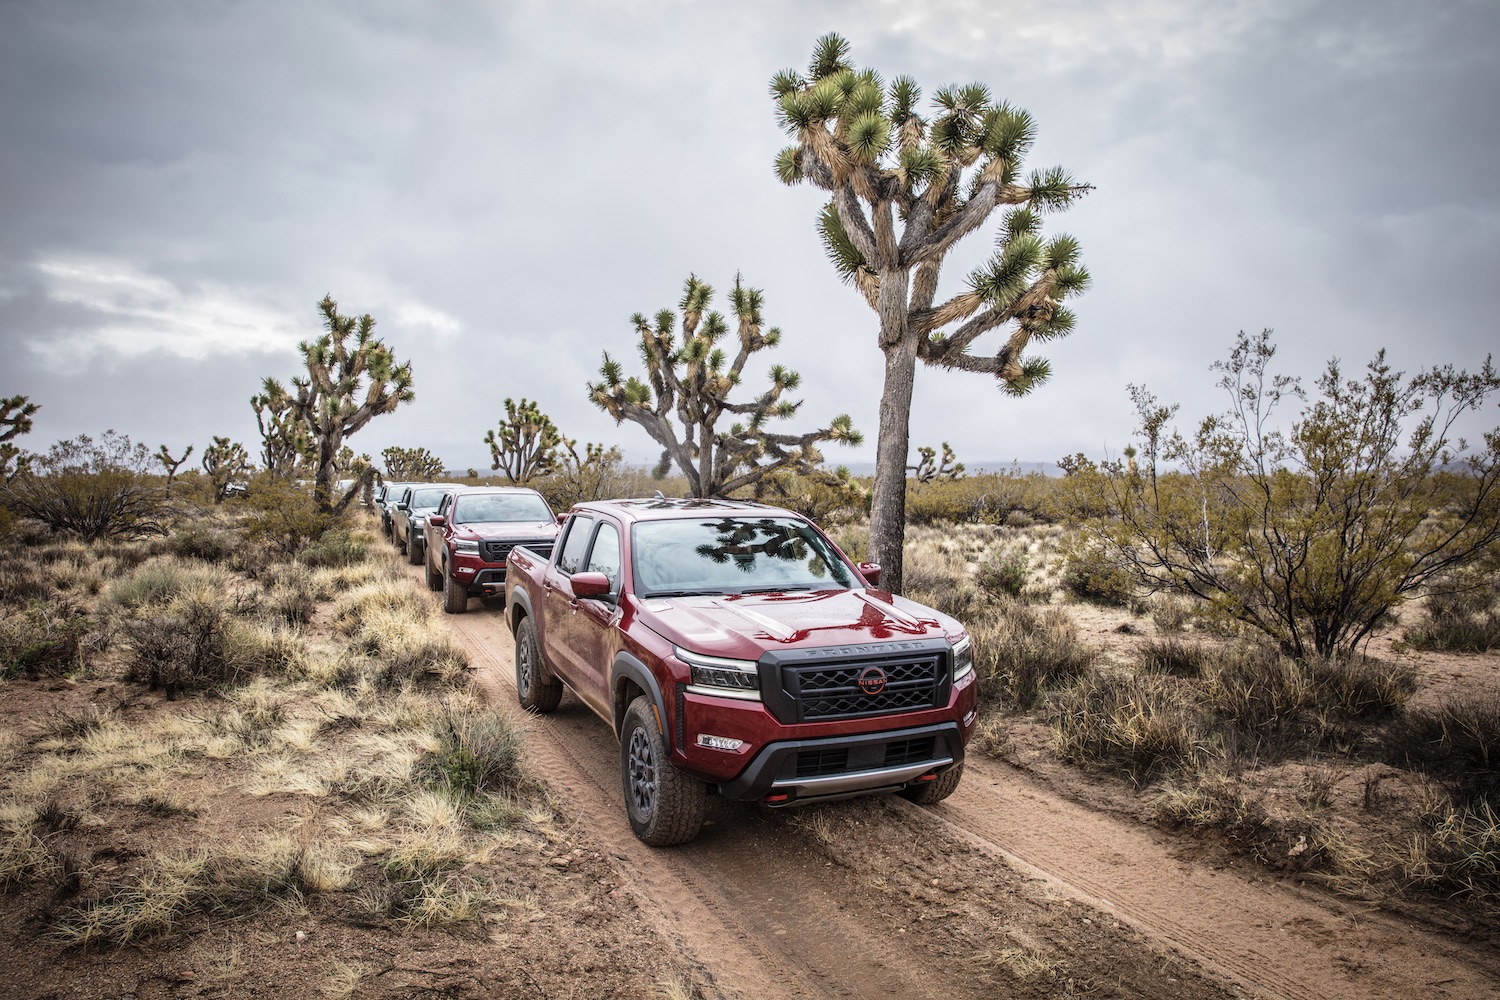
[719,742]
[463,569]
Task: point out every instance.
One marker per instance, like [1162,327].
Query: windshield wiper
[656,594]
[774,590]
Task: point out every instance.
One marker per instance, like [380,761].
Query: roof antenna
[659,496]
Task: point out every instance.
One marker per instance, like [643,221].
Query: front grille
[841,690]
[498,551]
[898,752]
[813,763]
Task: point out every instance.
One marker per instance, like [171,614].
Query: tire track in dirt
[1271,938]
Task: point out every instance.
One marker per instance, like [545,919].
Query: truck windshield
[515,507]
[732,555]
[422,499]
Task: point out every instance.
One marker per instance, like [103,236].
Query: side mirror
[437,520]
[402,506]
[562,519]
[871,572]
[590,584]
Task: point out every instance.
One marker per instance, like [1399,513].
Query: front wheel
[664,805]
[925,793]
[455,594]
[536,689]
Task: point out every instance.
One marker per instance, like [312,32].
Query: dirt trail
[1267,935]
[819,930]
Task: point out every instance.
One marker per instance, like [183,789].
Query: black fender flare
[520,607]
[627,667]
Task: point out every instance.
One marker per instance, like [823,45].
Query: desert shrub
[1142,724]
[26,858]
[1257,695]
[184,648]
[202,540]
[1021,652]
[282,515]
[1005,573]
[98,489]
[1171,656]
[293,601]
[982,498]
[1462,622]
[336,548]
[1091,574]
[43,640]
[478,753]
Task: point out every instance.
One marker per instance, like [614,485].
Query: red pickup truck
[734,648]
[473,530]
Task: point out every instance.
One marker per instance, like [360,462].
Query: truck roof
[667,508]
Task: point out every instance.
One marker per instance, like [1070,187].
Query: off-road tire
[414,551]
[927,792]
[434,576]
[665,806]
[455,594]
[536,689]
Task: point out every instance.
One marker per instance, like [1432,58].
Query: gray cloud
[503,185]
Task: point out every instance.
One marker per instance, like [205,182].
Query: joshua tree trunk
[888,501]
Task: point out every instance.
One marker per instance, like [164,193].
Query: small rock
[299,937]
[561,861]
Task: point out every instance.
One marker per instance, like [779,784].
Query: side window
[605,555]
[575,545]
[445,504]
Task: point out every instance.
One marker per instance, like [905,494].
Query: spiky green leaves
[789,166]
[869,137]
[1034,372]
[840,248]
[830,56]
[904,97]
[1054,188]
[786,82]
[1007,133]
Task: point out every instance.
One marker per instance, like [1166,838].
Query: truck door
[560,617]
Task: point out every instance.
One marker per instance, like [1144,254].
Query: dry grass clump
[395,623]
[1021,652]
[1456,742]
[26,858]
[46,640]
[1458,852]
[1173,656]
[202,540]
[162,580]
[23,580]
[1467,621]
[1144,725]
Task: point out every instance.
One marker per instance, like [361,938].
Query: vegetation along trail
[1005,886]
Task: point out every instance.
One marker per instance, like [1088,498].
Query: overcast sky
[502,184]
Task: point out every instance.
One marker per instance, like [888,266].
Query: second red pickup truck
[733,648]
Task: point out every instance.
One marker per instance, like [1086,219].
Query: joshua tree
[347,385]
[691,383]
[15,420]
[171,464]
[411,465]
[285,444]
[526,444]
[929,468]
[904,190]
[225,462]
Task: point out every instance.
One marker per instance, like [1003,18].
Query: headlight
[732,678]
[963,657]
[466,548]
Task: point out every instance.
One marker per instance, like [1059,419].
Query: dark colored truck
[733,648]
[409,517]
[471,535]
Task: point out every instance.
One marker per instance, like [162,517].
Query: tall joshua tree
[407,465]
[352,377]
[15,420]
[285,443]
[691,383]
[904,189]
[527,443]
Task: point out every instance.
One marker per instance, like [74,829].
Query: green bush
[1143,724]
[42,640]
[201,540]
[1020,652]
[1463,622]
[1091,574]
[336,548]
[1005,574]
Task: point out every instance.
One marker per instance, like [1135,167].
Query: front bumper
[794,771]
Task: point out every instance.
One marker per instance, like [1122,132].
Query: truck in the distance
[733,648]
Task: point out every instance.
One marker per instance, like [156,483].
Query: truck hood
[743,626]
[507,529]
